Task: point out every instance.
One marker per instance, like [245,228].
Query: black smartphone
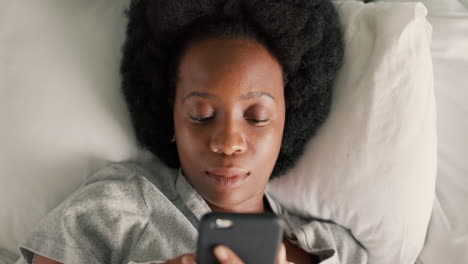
[255,238]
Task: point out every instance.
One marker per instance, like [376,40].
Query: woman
[227,93]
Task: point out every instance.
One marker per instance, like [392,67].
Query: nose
[228,140]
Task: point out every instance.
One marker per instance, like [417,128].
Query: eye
[257,121]
[199,111]
[201,119]
[257,115]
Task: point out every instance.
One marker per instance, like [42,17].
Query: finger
[183,259]
[282,255]
[225,255]
[188,259]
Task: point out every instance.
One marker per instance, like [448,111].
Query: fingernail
[221,253]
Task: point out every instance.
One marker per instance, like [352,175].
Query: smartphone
[255,238]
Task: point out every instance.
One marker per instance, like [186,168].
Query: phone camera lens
[223,223]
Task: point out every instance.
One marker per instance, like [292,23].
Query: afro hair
[304,36]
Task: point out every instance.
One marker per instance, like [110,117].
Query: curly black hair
[304,36]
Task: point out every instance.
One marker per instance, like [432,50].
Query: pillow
[437,5]
[372,166]
[447,238]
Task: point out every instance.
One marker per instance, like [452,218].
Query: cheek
[266,144]
[186,142]
[191,141]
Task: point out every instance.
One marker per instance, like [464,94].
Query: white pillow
[437,5]
[372,166]
[447,238]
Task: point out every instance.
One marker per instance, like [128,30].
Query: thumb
[282,255]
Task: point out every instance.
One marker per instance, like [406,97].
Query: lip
[227,177]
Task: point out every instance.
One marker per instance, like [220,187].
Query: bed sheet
[62,117]
[7,257]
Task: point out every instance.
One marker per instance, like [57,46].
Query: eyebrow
[247,96]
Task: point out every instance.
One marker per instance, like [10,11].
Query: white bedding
[7,257]
[447,240]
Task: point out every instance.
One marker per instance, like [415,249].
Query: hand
[226,256]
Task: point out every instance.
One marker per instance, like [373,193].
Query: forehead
[229,66]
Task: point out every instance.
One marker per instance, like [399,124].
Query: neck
[255,205]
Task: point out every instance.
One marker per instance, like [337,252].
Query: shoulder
[331,241]
[348,248]
[103,218]
[119,188]
[326,239]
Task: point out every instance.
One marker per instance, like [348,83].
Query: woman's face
[229,115]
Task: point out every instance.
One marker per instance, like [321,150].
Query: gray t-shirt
[144,213]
